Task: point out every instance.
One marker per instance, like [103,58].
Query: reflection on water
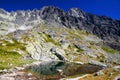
[69,69]
[47,68]
[75,69]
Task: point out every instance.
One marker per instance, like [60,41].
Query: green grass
[109,50]
[80,50]
[71,47]
[73,33]
[47,38]
[92,43]
[9,57]
[12,46]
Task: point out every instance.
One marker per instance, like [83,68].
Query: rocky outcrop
[56,53]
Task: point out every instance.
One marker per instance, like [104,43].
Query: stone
[29,74]
[59,53]
[117,78]
[3,44]
[27,57]
[99,73]
[12,70]
[19,68]
[63,41]
[97,63]
[78,62]
[5,70]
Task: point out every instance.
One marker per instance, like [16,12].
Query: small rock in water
[59,70]
[29,74]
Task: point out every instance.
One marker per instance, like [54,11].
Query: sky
[110,8]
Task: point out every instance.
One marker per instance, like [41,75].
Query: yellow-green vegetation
[10,46]
[11,59]
[75,33]
[29,38]
[109,50]
[3,24]
[92,43]
[101,58]
[9,56]
[71,47]
[47,38]
[80,50]
[107,75]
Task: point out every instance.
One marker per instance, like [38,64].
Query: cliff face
[102,26]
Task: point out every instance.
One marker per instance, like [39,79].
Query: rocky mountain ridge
[74,41]
[104,27]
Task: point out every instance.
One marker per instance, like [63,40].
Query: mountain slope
[51,34]
[106,28]
[102,26]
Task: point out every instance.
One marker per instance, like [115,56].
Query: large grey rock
[99,73]
[97,63]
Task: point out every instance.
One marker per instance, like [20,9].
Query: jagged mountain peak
[50,8]
[2,11]
[76,12]
[51,11]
